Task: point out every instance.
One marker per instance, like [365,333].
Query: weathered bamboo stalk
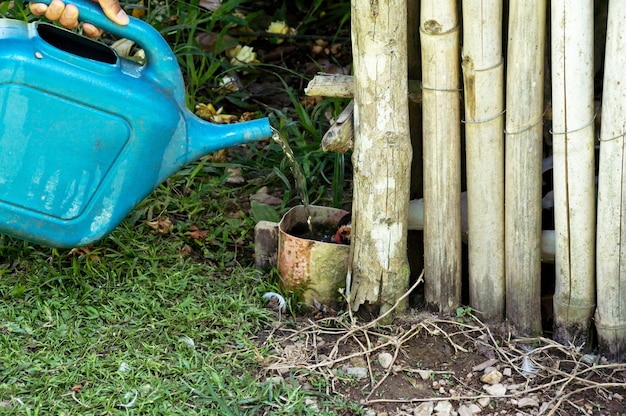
[483,76]
[524,145]
[382,154]
[439,33]
[610,317]
[574,169]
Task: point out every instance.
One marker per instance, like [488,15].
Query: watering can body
[86,135]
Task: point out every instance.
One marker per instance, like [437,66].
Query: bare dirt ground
[428,365]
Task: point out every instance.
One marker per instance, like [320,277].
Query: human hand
[67,15]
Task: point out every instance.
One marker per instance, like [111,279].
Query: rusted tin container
[318,267]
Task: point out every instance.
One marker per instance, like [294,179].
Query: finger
[91,31]
[38,9]
[55,10]
[114,11]
[69,18]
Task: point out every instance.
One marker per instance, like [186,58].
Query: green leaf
[263,212]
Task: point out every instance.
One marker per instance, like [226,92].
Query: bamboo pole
[523,154]
[574,169]
[439,33]
[379,267]
[483,76]
[610,317]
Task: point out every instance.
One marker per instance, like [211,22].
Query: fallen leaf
[263,197]
[76,388]
[139,11]
[186,250]
[198,234]
[215,43]
[84,251]
[235,177]
[162,224]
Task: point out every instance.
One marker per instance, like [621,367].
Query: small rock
[424,409]
[589,359]
[527,402]
[311,404]
[474,408]
[275,380]
[618,396]
[492,377]
[519,387]
[443,408]
[385,359]
[507,372]
[489,369]
[425,374]
[484,402]
[497,390]
[371,412]
[463,410]
[358,372]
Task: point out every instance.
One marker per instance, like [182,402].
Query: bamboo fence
[511,93]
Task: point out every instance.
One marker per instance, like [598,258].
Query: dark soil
[441,361]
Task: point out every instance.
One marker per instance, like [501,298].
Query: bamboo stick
[379,267]
[523,154]
[574,169]
[483,75]
[439,34]
[610,316]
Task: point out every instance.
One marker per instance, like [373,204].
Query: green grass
[118,320]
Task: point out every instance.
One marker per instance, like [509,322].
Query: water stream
[298,175]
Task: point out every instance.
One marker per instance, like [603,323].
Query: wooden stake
[382,154]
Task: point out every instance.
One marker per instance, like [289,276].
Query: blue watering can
[86,135]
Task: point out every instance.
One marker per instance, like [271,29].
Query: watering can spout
[205,137]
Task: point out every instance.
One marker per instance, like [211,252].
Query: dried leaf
[263,197]
[162,224]
[235,176]
[186,250]
[140,11]
[198,234]
[210,4]
[208,41]
[84,251]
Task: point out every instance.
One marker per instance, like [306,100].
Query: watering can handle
[161,63]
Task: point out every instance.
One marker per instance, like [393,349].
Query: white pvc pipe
[416,222]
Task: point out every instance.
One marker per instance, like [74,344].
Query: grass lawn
[145,322]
